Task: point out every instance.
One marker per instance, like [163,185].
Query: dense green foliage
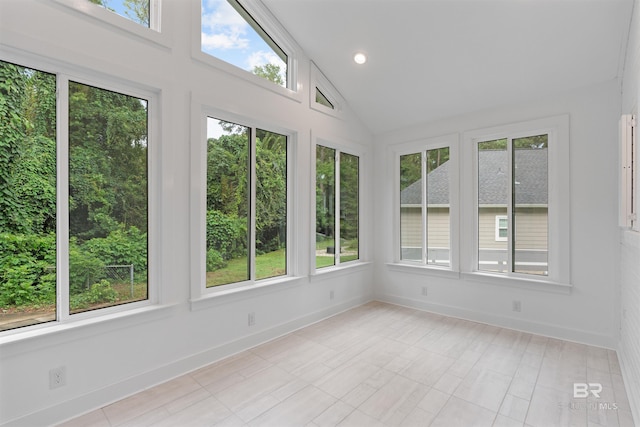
[228,189]
[27,269]
[107,187]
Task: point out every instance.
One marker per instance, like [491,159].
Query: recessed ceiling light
[360,58]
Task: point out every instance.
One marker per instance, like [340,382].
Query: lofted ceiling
[432,59]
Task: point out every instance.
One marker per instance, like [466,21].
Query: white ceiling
[431,59]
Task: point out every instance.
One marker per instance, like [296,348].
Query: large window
[337,207]
[513,205]
[517,181]
[231,34]
[246,218]
[425,207]
[73,212]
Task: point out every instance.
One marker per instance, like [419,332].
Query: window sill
[19,341]
[523,283]
[221,296]
[342,269]
[228,68]
[630,238]
[424,269]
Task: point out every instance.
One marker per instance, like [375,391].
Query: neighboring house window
[96,185]
[513,206]
[246,213]
[230,33]
[502,229]
[425,215]
[337,207]
[138,11]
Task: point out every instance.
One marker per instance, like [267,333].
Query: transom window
[231,34]
[74,211]
[323,100]
[138,11]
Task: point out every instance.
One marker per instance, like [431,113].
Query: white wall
[109,359]
[629,347]
[587,314]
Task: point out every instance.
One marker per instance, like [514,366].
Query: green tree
[107,161]
[271,72]
[27,150]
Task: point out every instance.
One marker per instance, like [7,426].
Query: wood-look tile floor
[384,365]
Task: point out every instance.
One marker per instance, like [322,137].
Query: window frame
[270,25]
[629,193]
[323,85]
[156,32]
[353,150]
[64,74]
[557,129]
[499,218]
[450,141]
[201,296]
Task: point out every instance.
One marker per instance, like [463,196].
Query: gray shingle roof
[530,177]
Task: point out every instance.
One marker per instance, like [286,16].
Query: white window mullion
[337,209]
[423,190]
[252,204]
[510,227]
[154,15]
[62,198]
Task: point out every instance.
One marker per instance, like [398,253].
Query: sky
[117,6]
[227,36]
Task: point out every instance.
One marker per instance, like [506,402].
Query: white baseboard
[631,387]
[114,392]
[539,328]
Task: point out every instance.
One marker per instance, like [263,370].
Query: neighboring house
[530,212]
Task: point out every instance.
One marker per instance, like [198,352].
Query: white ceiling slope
[431,59]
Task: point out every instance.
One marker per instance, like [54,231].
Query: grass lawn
[271,264]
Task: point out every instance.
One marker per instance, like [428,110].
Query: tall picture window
[246,212]
[425,217]
[73,212]
[337,207]
[513,207]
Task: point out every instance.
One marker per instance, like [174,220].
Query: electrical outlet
[516,306]
[424,291]
[252,318]
[331,295]
[57,377]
